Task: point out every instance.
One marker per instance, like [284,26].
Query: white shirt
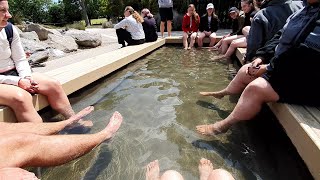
[165,3]
[132,26]
[209,21]
[12,58]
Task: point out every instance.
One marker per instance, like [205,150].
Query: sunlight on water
[158,98]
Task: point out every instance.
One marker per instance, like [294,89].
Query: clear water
[158,98]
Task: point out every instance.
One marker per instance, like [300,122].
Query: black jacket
[204,24]
[150,29]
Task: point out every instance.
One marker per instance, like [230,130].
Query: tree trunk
[84,12]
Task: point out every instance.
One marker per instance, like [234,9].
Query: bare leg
[220,174]
[192,39]
[169,27]
[246,30]
[20,101]
[205,168]
[16,174]
[185,40]
[200,39]
[236,86]
[42,128]
[162,28]
[57,98]
[249,105]
[238,43]
[25,149]
[171,175]
[227,41]
[217,46]
[153,171]
[212,39]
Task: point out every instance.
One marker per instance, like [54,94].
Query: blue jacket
[267,22]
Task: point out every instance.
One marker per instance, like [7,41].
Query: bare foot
[189,48]
[212,129]
[77,119]
[205,168]
[113,125]
[217,95]
[218,57]
[153,171]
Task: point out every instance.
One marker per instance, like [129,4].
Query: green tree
[32,10]
[56,13]
[72,10]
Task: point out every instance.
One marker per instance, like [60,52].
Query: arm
[184,24]
[121,24]
[240,26]
[256,37]
[267,52]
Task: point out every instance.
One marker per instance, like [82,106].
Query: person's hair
[254,4]
[247,1]
[134,14]
[146,12]
[213,14]
[195,15]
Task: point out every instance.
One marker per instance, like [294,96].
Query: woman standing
[208,26]
[130,29]
[190,25]
[149,26]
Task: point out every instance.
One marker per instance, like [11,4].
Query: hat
[210,6]
[233,9]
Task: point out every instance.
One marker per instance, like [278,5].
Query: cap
[210,6]
[233,9]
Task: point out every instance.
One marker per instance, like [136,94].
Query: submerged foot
[153,171]
[217,95]
[77,119]
[113,125]
[212,129]
[205,168]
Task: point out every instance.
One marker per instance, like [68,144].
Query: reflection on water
[158,98]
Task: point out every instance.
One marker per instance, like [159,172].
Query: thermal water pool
[158,97]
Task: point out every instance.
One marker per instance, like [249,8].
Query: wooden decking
[302,125]
[75,76]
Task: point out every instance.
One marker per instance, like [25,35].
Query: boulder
[40,30]
[54,31]
[85,39]
[64,43]
[30,35]
[39,56]
[107,24]
[32,46]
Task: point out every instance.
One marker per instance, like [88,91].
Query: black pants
[125,36]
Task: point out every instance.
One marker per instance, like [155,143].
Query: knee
[53,84]
[253,88]
[220,174]
[233,44]
[20,98]
[172,175]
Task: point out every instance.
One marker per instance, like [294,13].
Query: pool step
[78,75]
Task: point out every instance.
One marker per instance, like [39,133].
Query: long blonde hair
[195,15]
[134,14]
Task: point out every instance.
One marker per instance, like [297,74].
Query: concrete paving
[109,43]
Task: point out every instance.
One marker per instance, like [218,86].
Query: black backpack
[9,32]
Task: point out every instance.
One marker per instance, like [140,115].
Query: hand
[256,71]
[257,62]
[262,70]
[28,85]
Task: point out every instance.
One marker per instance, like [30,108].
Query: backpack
[9,32]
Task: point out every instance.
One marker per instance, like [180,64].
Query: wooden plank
[299,125]
[178,39]
[76,76]
[240,53]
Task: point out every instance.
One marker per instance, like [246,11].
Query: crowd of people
[282,41]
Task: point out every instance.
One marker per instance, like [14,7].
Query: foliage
[56,13]
[77,25]
[32,10]
[72,10]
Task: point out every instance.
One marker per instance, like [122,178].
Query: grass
[97,21]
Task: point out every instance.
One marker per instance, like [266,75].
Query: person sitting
[206,172]
[237,26]
[18,83]
[247,7]
[190,25]
[208,26]
[35,145]
[267,22]
[149,26]
[277,74]
[130,29]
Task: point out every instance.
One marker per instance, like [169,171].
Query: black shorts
[166,14]
[12,72]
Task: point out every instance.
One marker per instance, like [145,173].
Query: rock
[32,46]
[107,24]
[40,30]
[85,39]
[30,35]
[56,53]
[39,56]
[64,43]
[54,31]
